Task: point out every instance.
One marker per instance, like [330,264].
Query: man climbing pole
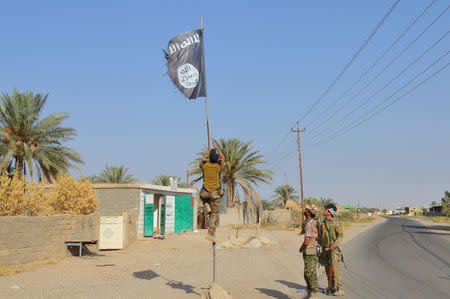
[332,235]
[309,250]
[211,193]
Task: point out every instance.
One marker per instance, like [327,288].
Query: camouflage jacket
[337,233]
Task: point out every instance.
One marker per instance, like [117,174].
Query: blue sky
[266,63]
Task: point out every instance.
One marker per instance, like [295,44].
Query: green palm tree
[92,178]
[164,180]
[284,193]
[241,168]
[33,145]
[115,175]
[311,201]
[324,201]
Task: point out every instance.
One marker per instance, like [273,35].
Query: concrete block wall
[282,216]
[113,202]
[170,213]
[129,228]
[233,216]
[28,239]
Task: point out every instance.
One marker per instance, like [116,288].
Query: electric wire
[376,61]
[387,84]
[361,48]
[365,117]
[384,69]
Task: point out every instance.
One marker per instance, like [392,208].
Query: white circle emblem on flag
[188,75]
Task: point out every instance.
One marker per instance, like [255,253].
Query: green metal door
[148,220]
[183,214]
[178,215]
[163,219]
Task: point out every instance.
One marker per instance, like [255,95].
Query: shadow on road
[292,285]
[273,293]
[174,284]
[147,274]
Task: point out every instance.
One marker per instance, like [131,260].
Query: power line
[390,81]
[273,152]
[378,60]
[380,23]
[385,68]
[365,117]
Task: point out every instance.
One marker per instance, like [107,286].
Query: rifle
[342,255]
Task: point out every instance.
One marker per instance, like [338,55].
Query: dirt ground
[177,267]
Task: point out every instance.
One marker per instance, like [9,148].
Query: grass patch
[9,270]
[348,222]
[14,269]
[436,219]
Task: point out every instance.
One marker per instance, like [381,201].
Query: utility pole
[300,165]
[286,185]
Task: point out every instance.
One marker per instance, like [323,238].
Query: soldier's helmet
[332,209]
[313,209]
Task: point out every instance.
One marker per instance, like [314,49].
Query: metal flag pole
[204,74]
[209,142]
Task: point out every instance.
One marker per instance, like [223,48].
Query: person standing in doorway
[309,250]
[211,192]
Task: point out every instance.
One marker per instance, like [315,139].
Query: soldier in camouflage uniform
[332,235]
[309,251]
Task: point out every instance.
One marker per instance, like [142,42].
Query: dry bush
[21,198]
[72,197]
[17,197]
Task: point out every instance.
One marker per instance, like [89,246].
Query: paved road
[399,258]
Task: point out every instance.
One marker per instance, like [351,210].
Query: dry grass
[14,269]
[436,219]
[9,270]
[360,220]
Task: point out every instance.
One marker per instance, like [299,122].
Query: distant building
[435,211]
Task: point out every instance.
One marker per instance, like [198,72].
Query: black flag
[185,63]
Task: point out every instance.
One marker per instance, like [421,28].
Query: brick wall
[29,239]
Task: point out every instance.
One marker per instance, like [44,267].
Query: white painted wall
[140,223]
[170,213]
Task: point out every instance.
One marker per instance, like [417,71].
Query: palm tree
[115,175]
[284,193]
[164,180]
[324,201]
[311,201]
[241,168]
[34,145]
[92,178]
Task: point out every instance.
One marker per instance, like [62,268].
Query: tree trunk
[19,167]
[230,194]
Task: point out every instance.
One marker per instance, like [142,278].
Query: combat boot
[312,295]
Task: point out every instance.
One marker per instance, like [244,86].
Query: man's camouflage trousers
[310,273]
[336,258]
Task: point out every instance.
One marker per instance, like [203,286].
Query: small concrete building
[142,210]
